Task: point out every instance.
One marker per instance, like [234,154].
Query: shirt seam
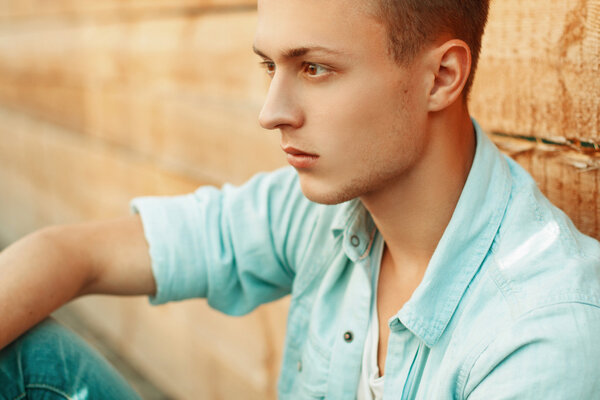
[519,308]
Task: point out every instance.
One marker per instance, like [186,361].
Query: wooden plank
[102,8]
[568,177]
[165,88]
[539,73]
[207,56]
[58,177]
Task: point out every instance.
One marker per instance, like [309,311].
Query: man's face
[351,119]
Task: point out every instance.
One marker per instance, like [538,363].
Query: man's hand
[46,269]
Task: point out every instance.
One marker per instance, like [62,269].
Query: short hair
[412,24]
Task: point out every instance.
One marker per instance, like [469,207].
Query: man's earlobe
[452,69]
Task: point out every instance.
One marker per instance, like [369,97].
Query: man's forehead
[285,12]
[328,26]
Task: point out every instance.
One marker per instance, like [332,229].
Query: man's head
[353,120]
[413,23]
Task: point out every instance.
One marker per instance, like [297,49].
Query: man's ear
[451,63]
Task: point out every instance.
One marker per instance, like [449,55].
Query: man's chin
[323,193]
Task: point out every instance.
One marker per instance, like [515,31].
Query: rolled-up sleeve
[237,246]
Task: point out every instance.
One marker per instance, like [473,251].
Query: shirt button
[348,336]
[354,240]
[299,366]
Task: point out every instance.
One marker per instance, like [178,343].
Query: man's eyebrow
[300,51]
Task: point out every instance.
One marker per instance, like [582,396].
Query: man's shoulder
[535,304]
[539,257]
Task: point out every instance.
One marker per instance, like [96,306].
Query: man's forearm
[37,275]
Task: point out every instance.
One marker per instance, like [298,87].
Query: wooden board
[167,89]
[539,74]
[103,8]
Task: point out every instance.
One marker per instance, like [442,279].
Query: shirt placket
[400,365]
[349,343]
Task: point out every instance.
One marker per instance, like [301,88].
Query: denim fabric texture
[52,363]
[509,307]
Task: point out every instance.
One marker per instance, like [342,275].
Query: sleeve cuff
[168,227]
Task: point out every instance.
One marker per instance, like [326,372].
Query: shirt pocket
[314,369]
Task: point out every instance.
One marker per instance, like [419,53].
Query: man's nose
[281,108]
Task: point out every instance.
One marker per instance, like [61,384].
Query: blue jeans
[50,362]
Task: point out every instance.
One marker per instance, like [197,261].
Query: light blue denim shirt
[509,307]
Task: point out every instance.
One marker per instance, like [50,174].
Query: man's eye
[314,69]
[269,66]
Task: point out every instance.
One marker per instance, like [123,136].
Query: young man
[421,262]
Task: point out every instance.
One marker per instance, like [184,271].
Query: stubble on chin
[340,192]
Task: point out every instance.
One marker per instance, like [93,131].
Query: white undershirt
[370,386]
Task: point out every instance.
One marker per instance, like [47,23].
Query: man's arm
[50,267]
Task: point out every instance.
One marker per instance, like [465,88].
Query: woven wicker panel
[539,73]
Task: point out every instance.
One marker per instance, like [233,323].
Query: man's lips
[298,158]
[296,152]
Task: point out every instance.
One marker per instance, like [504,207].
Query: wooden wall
[538,89]
[104,100]
[101,101]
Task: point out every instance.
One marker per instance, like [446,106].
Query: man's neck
[412,212]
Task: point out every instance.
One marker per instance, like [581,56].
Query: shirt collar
[464,244]
[357,227]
